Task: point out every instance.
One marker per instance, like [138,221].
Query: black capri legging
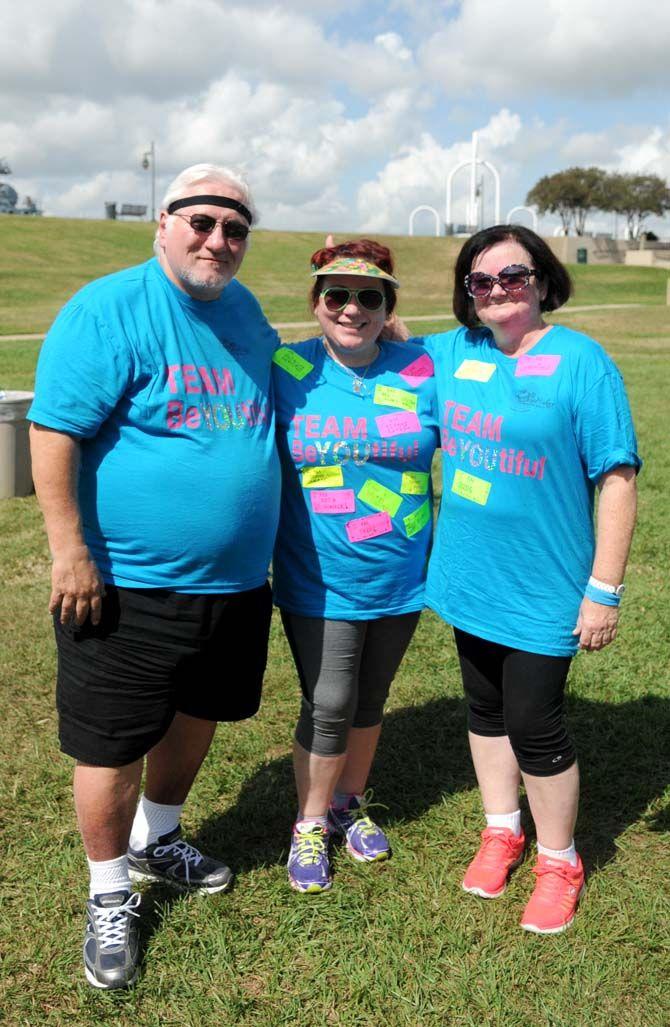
[518,694]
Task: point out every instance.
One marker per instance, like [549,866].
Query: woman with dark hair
[356,431]
[534,418]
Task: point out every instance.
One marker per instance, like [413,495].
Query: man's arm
[617,508]
[76,585]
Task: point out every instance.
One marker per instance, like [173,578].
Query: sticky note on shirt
[417,520]
[397,424]
[391,397]
[470,487]
[363,528]
[414,483]
[475,371]
[380,497]
[417,372]
[335,501]
[292,362]
[322,477]
[541,366]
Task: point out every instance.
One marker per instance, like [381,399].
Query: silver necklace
[357,384]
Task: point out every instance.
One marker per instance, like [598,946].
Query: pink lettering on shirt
[333,501]
[543,365]
[420,369]
[363,528]
[397,424]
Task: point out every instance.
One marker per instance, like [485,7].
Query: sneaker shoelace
[359,818]
[188,855]
[552,882]
[310,847]
[110,922]
[489,853]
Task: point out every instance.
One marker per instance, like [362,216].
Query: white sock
[512,821]
[152,821]
[304,824]
[569,854]
[108,875]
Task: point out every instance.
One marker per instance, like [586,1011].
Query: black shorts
[156,653]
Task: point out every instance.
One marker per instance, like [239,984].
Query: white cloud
[393,44]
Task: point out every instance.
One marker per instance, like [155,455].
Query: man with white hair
[155,467]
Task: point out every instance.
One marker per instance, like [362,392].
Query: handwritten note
[417,520]
[541,366]
[323,477]
[468,486]
[391,397]
[363,528]
[420,369]
[414,483]
[475,371]
[336,501]
[397,424]
[292,362]
[379,497]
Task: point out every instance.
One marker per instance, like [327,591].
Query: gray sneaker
[111,949]
[175,862]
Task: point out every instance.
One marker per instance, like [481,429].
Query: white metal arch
[431,210]
[450,178]
[533,214]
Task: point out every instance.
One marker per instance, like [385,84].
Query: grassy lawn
[397,944]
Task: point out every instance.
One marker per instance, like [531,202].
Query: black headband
[216,201]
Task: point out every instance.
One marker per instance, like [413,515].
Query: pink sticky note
[397,424]
[420,369]
[542,365]
[333,501]
[369,527]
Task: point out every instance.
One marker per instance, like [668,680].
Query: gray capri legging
[345,668]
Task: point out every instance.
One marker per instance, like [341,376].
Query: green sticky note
[379,497]
[390,397]
[414,483]
[417,520]
[323,477]
[470,487]
[292,362]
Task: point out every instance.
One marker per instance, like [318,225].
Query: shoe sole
[496,894]
[534,929]
[109,987]
[140,875]
[311,889]
[360,858]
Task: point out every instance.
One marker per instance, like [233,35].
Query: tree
[571,194]
[636,197]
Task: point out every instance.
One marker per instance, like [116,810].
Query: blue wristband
[597,595]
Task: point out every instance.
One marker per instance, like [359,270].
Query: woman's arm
[596,623]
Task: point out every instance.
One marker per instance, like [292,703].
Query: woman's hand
[596,625]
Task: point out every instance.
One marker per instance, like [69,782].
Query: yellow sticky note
[417,520]
[390,397]
[379,497]
[414,483]
[475,371]
[323,477]
[292,362]
[470,487]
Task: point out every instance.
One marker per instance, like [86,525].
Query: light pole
[149,164]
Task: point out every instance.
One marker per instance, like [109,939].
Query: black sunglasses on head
[512,279]
[205,225]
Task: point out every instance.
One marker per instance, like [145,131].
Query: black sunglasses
[337,297]
[205,225]
[512,279]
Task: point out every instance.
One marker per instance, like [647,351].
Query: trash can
[582,255]
[16,477]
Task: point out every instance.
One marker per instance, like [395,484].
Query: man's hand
[596,625]
[76,587]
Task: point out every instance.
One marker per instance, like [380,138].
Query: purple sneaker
[308,864]
[365,840]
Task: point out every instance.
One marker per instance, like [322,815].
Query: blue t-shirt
[524,443]
[168,396]
[356,512]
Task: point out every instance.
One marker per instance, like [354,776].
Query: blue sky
[344,118]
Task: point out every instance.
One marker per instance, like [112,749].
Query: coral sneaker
[552,905]
[501,850]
